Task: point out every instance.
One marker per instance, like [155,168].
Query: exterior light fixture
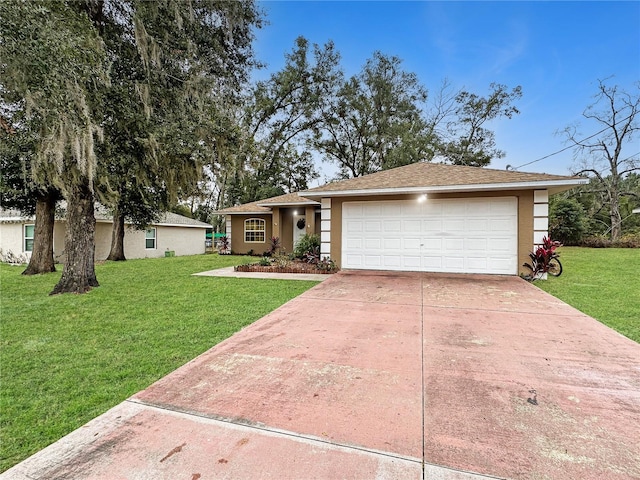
[422,198]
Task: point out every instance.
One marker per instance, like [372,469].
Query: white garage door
[472,235]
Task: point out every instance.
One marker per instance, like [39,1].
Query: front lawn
[603,283]
[68,358]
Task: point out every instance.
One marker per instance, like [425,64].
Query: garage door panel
[411,262]
[453,264]
[501,224]
[411,226]
[477,264]
[476,245]
[372,209]
[478,225]
[432,263]
[373,261]
[480,209]
[454,208]
[390,209]
[501,245]
[373,244]
[432,225]
[453,226]
[409,243]
[354,260]
[354,226]
[411,209]
[501,206]
[476,235]
[453,245]
[354,243]
[392,226]
[374,226]
[391,244]
[432,244]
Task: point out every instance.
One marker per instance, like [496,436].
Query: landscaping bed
[291,267]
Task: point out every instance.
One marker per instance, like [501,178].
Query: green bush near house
[603,283]
[309,242]
[66,359]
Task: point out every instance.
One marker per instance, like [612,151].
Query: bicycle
[554,267]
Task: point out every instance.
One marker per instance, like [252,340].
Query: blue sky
[556,51]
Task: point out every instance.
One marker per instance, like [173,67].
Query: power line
[567,148]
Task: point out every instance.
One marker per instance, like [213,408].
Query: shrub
[224,246]
[264,262]
[307,243]
[628,240]
[327,265]
[567,221]
[541,257]
[274,246]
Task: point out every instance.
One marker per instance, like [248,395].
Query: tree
[279,116]
[54,61]
[466,141]
[190,54]
[567,223]
[606,155]
[18,191]
[170,94]
[374,120]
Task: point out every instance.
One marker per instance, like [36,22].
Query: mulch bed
[293,267]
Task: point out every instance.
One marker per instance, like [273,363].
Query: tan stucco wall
[525,217]
[238,245]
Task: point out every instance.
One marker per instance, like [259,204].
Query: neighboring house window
[254,229]
[29,231]
[150,238]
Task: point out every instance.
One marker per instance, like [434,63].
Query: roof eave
[288,204]
[553,186]
[184,225]
[243,213]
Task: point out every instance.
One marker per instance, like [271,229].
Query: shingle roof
[424,175]
[287,199]
[264,206]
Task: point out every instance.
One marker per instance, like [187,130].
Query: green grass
[604,283]
[68,358]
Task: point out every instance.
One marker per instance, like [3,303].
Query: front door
[299,228]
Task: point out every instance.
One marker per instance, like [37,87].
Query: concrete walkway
[382,375]
[229,272]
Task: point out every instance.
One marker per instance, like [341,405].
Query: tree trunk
[616,218]
[117,238]
[42,255]
[79,274]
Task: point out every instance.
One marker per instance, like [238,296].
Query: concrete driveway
[382,375]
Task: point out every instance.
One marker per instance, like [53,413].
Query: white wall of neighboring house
[183,240]
[11,238]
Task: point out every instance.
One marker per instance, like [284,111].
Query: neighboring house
[175,233]
[637,210]
[419,217]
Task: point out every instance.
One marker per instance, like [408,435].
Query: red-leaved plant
[541,258]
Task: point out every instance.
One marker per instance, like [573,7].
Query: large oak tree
[57,58]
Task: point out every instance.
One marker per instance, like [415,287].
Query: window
[254,230]
[150,238]
[29,231]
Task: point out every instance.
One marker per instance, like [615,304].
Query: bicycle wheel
[555,267]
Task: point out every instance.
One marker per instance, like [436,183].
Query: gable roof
[435,177]
[262,207]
